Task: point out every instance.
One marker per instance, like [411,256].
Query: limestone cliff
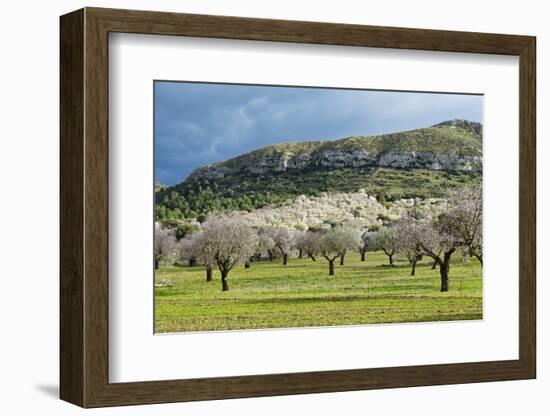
[453,146]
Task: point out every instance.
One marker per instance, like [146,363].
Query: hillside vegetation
[449,156]
[459,137]
[356,209]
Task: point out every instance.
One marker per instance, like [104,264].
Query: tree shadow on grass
[396,266]
[323,299]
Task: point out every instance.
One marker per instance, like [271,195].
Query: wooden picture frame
[84,207]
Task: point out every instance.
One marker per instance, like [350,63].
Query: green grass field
[302,294]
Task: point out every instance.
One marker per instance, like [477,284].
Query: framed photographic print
[255,207]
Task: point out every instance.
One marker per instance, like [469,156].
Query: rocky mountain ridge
[453,146]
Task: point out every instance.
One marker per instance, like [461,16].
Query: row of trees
[223,241]
[460,227]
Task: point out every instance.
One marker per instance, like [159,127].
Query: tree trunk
[301,253]
[270,254]
[312,257]
[192,262]
[444,268]
[285,259]
[156,264]
[444,273]
[225,285]
[342,259]
[208,273]
[331,267]
[413,269]
[433,265]
[363,252]
[247,265]
[390,256]
[480,258]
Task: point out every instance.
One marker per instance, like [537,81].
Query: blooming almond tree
[266,245]
[438,244]
[349,240]
[164,244]
[365,242]
[335,242]
[464,219]
[284,241]
[459,226]
[387,240]
[409,243]
[300,241]
[202,251]
[312,244]
[227,240]
[184,250]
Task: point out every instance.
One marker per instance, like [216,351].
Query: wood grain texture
[226,27]
[71,100]
[96,207]
[527,207]
[84,207]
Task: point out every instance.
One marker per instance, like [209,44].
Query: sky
[200,123]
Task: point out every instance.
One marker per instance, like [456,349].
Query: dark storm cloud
[197,124]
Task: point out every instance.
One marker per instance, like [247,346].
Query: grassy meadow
[302,294]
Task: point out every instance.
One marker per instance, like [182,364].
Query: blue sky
[197,123]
